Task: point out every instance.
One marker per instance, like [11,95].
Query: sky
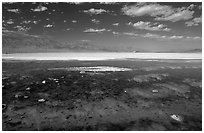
[147,26]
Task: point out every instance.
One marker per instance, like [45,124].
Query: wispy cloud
[130,34]
[74,21]
[75,3]
[115,33]
[194,22]
[95,21]
[109,3]
[91,30]
[95,11]
[157,36]
[159,12]
[149,26]
[115,24]
[29,22]
[48,26]
[14,10]
[194,38]
[150,35]
[26,22]
[39,9]
[10,3]
[35,22]
[176,37]
[10,21]
[160,37]
[22,28]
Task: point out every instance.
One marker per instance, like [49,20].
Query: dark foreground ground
[155,95]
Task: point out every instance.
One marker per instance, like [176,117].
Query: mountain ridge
[18,42]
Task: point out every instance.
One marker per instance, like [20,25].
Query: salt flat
[99,56]
[119,94]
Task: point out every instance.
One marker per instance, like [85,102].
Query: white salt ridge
[93,69]
[152,60]
[99,56]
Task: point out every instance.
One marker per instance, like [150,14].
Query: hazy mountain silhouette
[16,42]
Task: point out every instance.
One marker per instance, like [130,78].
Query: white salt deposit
[99,56]
[93,69]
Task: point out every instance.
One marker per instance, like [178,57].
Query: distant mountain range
[193,51]
[16,42]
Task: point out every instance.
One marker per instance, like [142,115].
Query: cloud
[91,30]
[85,40]
[95,11]
[154,36]
[149,26]
[75,3]
[29,22]
[130,34]
[115,33]
[159,12]
[175,37]
[95,21]
[194,22]
[109,3]
[150,35]
[144,9]
[10,3]
[191,7]
[26,22]
[194,38]
[157,36]
[22,28]
[115,24]
[74,21]
[35,22]
[40,9]
[180,14]
[14,10]
[10,21]
[48,25]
